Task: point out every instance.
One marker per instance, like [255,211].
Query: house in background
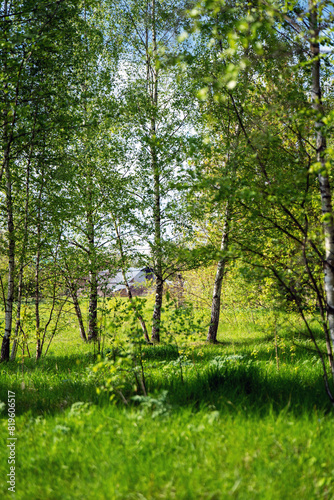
[136,277]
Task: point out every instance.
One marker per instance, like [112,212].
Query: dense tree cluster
[171,134]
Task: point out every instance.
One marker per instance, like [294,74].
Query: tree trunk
[77,308]
[158,261]
[5,347]
[93,296]
[157,310]
[155,337]
[18,315]
[74,294]
[324,184]
[24,249]
[37,291]
[217,288]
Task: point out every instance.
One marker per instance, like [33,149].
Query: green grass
[112,453]
[239,423]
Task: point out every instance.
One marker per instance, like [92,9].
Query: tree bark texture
[157,310]
[324,183]
[93,296]
[78,313]
[23,252]
[5,347]
[217,287]
[155,336]
[37,290]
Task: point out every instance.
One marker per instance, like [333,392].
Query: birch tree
[38,46]
[323,176]
[156,110]
[284,203]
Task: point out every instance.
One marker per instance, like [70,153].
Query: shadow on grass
[54,384]
[265,351]
[246,388]
[49,386]
[249,383]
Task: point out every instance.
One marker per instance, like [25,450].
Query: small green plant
[122,370]
[156,406]
[182,329]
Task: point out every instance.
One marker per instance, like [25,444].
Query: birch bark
[217,288]
[93,296]
[24,249]
[324,184]
[155,336]
[5,347]
[37,284]
[77,308]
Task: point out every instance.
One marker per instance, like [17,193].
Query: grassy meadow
[247,418]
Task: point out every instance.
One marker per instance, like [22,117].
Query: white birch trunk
[217,287]
[37,284]
[77,308]
[155,336]
[93,296]
[324,184]
[5,347]
[23,253]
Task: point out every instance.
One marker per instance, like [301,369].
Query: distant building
[114,285]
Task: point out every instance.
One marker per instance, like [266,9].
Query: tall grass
[247,418]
